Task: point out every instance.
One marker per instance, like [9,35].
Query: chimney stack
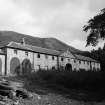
[23,41]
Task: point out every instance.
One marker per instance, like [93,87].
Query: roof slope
[33,48]
[49,51]
[50,43]
[80,57]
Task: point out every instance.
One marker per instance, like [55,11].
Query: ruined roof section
[33,48]
[80,57]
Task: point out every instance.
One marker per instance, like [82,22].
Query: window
[38,56]
[88,63]
[84,62]
[74,61]
[79,62]
[26,53]
[3,49]
[62,59]
[15,51]
[68,60]
[46,56]
[53,68]
[52,57]
[39,67]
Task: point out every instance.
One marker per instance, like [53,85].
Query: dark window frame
[62,59]
[15,51]
[84,62]
[46,56]
[53,57]
[79,62]
[68,60]
[74,61]
[26,53]
[38,55]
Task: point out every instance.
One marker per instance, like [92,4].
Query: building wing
[80,57]
[32,48]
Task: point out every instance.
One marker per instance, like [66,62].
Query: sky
[61,19]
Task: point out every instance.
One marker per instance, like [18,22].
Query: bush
[85,80]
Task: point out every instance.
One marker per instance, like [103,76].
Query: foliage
[99,55]
[96,28]
[83,80]
[80,85]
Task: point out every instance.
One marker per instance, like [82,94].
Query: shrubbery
[84,80]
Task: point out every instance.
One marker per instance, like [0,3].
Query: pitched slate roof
[33,48]
[80,57]
[48,51]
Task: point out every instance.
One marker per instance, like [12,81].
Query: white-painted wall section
[45,61]
[2,57]
[77,64]
[21,55]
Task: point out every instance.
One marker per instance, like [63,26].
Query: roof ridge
[32,48]
[88,58]
[42,47]
[30,45]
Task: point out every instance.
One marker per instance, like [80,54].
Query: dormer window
[38,56]
[15,51]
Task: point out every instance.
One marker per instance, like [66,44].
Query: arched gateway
[14,65]
[26,66]
[68,67]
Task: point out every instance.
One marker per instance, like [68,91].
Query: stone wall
[44,62]
[2,64]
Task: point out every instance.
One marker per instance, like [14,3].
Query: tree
[96,28]
[99,55]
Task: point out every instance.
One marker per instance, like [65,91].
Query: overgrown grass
[85,82]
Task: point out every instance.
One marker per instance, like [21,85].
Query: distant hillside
[51,43]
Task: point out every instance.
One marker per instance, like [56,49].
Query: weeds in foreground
[85,85]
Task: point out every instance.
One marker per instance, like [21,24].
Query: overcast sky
[62,19]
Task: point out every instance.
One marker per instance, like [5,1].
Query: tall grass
[81,85]
[85,80]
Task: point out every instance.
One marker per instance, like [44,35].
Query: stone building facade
[16,57]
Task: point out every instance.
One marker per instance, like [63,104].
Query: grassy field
[66,87]
[87,86]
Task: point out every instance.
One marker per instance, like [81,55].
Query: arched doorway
[0,67]
[15,66]
[68,67]
[26,66]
